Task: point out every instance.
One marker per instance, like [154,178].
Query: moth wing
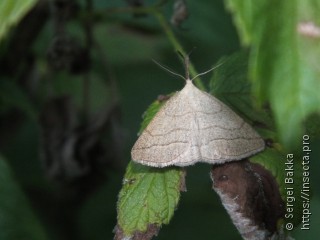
[224,136]
[167,139]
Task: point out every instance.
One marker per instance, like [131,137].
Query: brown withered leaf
[251,197]
[152,231]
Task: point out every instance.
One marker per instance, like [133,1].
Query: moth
[194,126]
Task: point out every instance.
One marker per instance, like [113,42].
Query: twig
[155,10]
[176,44]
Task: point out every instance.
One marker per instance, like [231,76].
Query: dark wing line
[195,111]
[230,139]
[162,134]
[214,126]
[187,129]
[161,145]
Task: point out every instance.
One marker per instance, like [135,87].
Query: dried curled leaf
[251,197]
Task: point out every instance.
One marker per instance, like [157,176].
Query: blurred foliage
[11,12]
[98,54]
[230,84]
[14,97]
[282,48]
[17,221]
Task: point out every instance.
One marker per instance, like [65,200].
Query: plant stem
[174,41]
[155,10]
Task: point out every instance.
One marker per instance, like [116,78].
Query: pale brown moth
[194,126]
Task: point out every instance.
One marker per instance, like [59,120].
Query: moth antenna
[201,74]
[191,51]
[168,69]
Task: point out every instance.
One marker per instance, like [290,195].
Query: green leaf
[283,60]
[231,85]
[11,12]
[149,195]
[313,126]
[151,112]
[16,218]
